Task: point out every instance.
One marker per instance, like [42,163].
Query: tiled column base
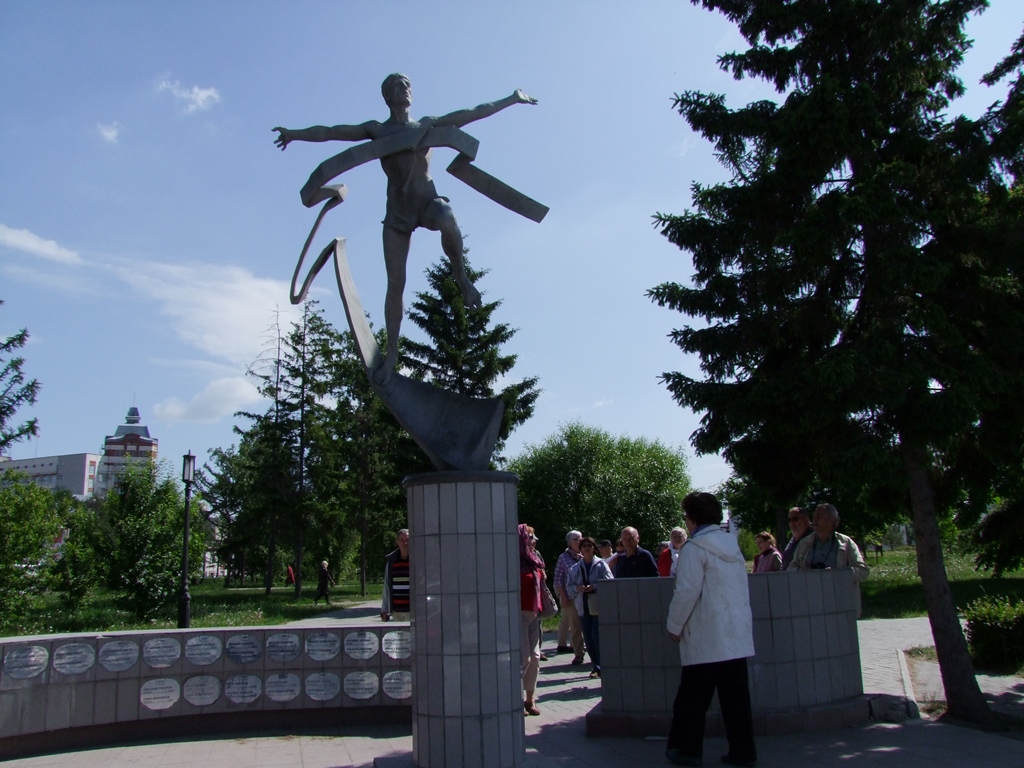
[467,704]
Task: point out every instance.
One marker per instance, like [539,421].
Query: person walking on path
[323,583]
[710,619]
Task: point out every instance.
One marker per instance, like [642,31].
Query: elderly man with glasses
[799,528]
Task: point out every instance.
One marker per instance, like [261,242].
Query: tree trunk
[781,525]
[362,553]
[963,696]
[268,576]
[298,561]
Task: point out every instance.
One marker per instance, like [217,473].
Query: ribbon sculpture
[455,431]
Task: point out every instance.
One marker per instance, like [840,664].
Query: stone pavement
[556,737]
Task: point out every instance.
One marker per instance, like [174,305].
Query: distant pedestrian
[323,583]
[397,604]
[290,578]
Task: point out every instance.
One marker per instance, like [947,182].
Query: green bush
[995,632]
[748,546]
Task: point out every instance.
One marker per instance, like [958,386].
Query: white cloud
[602,403]
[28,242]
[218,399]
[67,282]
[223,311]
[109,133]
[196,99]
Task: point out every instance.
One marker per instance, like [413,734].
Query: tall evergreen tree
[298,378]
[375,453]
[857,280]
[464,350]
[15,392]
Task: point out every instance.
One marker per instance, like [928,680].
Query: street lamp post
[188,472]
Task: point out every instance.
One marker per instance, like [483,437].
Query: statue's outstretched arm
[325,133]
[464,116]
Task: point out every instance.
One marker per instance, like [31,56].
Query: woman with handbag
[531,581]
[582,584]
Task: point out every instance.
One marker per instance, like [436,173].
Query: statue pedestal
[467,707]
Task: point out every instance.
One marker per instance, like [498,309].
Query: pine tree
[15,392]
[373,453]
[857,281]
[464,350]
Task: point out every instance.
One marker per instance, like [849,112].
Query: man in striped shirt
[396,603]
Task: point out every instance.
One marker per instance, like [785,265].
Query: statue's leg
[439,216]
[396,257]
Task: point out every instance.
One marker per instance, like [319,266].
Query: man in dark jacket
[635,562]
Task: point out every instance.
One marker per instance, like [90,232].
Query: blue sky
[149,227]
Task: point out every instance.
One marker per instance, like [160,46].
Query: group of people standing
[583,564]
[709,615]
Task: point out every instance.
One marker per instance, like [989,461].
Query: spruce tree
[15,392]
[857,281]
[464,350]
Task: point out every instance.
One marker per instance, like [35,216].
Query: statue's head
[396,88]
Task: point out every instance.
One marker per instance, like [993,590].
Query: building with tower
[91,474]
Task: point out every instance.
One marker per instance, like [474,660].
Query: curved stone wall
[806,669]
[53,684]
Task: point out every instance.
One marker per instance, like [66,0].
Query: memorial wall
[805,674]
[83,685]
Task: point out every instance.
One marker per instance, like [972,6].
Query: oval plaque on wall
[322,646]
[119,655]
[74,658]
[362,684]
[202,650]
[361,645]
[283,687]
[162,693]
[244,649]
[283,646]
[322,686]
[398,644]
[202,690]
[398,684]
[25,662]
[161,652]
[243,689]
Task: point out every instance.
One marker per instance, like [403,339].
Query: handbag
[589,598]
[548,606]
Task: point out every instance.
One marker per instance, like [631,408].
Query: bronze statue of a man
[412,199]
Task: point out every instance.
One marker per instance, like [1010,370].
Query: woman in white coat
[710,619]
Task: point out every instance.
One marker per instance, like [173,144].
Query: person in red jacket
[531,576]
[670,555]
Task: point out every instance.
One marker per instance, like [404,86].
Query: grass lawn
[212,606]
[893,590]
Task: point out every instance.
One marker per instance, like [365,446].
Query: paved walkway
[556,737]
